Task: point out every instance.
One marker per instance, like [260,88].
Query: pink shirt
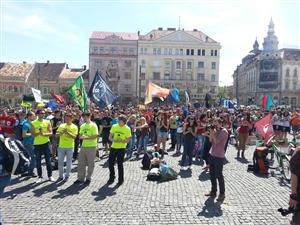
[218,149]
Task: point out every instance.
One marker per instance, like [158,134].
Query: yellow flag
[26,104]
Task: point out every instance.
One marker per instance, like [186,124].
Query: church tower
[270,42]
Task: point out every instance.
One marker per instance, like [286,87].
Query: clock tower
[270,42]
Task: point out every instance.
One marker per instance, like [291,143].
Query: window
[96,50]
[154,51]
[145,51]
[181,51]
[295,72]
[211,52]
[127,75]
[98,63]
[287,85]
[101,50]
[178,65]
[156,76]
[167,75]
[213,65]
[189,75]
[143,63]
[189,65]
[167,64]
[165,51]
[216,52]
[213,89]
[158,51]
[200,64]
[293,101]
[178,75]
[125,50]
[131,51]
[15,89]
[45,90]
[127,63]
[203,51]
[142,76]
[170,51]
[10,88]
[141,51]
[21,89]
[187,52]
[213,77]
[200,76]
[177,51]
[294,86]
[199,52]
[192,51]
[113,51]
[287,72]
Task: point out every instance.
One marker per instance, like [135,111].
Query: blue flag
[100,93]
[174,94]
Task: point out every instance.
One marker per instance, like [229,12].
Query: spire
[270,42]
[255,45]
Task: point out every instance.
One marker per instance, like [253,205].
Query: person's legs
[145,143]
[48,159]
[212,172]
[38,155]
[111,163]
[190,148]
[120,159]
[61,156]
[140,144]
[90,155]
[69,154]
[184,154]
[32,164]
[219,162]
[173,138]
[81,170]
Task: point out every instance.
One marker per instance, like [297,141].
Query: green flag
[78,93]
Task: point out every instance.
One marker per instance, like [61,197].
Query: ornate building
[270,71]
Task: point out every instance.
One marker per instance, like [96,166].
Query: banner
[58,98]
[37,95]
[78,93]
[155,90]
[265,127]
[187,97]
[100,93]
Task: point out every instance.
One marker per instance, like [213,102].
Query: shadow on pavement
[105,164]
[46,189]
[74,189]
[242,160]
[185,173]
[104,191]
[20,190]
[211,209]
[204,176]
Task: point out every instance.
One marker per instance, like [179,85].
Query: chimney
[48,61]
[160,28]
[24,62]
[138,33]
[84,67]
[67,66]
[171,29]
[195,30]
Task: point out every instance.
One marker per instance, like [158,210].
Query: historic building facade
[270,71]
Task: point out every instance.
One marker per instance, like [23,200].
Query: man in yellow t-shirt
[89,135]
[120,135]
[67,133]
[41,131]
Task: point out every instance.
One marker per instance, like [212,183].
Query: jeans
[130,145]
[188,147]
[216,173]
[173,133]
[116,154]
[143,142]
[153,134]
[62,153]
[32,164]
[179,141]
[39,151]
[4,181]
[200,140]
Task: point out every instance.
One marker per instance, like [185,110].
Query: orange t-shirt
[295,119]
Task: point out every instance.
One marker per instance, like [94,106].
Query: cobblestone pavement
[249,199]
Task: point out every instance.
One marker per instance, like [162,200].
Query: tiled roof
[72,73]
[156,34]
[291,54]
[47,71]
[15,69]
[122,35]
[1,65]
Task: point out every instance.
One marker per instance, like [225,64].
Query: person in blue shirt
[28,143]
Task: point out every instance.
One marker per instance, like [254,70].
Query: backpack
[167,173]
[154,174]
[18,159]
[19,130]
[260,163]
[146,161]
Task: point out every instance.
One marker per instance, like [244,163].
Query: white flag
[187,97]
[37,95]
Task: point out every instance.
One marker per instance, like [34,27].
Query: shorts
[296,128]
[105,138]
[163,134]
[285,129]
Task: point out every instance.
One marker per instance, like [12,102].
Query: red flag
[265,127]
[264,104]
[58,98]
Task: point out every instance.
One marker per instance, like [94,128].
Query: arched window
[287,72]
[295,72]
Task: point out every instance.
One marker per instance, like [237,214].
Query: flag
[100,93]
[269,102]
[78,93]
[26,104]
[52,105]
[58,98]
[230,104]
[187,97]
[265,127]
[155,90]
[174,94]
[264,104]
[37,95]
[28,97]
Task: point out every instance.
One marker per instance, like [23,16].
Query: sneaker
[221,197]
[189,167]
[87,182]
[78,182]
[66,178]
[110,181]
[211,194]
[39,180]
[51,179]
[120,183]
[33,175]
[60,179]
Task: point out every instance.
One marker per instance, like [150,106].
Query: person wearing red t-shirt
[7,123]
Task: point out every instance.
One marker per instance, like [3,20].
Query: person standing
[106,124]
[66,133]
[218,137]
[120,135]
[144,138]
[89,135]
[55,122]
[28,142]
[295,186]
[243,135]
[41,131]
[173,130]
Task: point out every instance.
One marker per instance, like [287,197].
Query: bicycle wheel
[286,168]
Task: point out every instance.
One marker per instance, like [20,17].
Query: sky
[59,30]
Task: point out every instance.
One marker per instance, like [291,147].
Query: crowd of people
[68,134]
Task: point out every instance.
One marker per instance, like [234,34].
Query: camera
[285,212]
